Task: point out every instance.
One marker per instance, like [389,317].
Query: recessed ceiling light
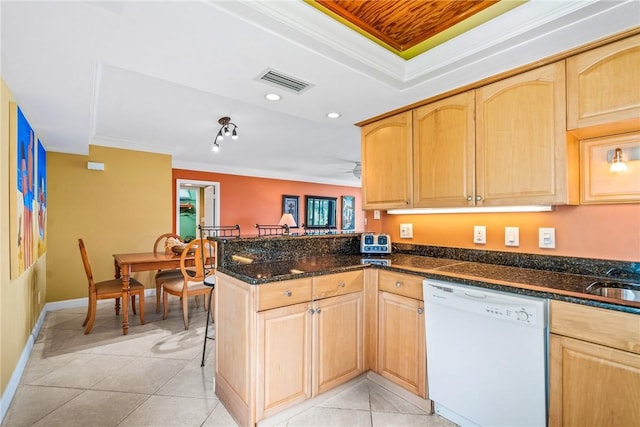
[272,97]
[333,115]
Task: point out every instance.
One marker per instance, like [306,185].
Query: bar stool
[209,280]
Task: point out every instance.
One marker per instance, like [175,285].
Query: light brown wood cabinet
[401,337]
[522,153]
[338,341]
[597,184]
[387,158]
[444,152]
[307,349]
[284,358]
[276,346]
[503,144]
[594,366]
[603,87]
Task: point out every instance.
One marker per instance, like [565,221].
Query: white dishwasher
[486,355]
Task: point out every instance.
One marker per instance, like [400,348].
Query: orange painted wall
[599,231]
[246,200]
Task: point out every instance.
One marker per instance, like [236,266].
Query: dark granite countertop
[541,283]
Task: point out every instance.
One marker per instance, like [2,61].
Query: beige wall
[121,209]
[19,305]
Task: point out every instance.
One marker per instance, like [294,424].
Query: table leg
[125,298]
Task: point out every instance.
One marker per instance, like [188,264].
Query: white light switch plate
[376,214]
[512,236]
[406,231]
[547,238]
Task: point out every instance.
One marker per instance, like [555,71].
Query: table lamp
[288,222]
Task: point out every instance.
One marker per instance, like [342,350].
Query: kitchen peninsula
[297,316]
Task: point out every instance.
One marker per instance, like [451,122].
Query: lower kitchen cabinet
[307,349]
[401,337]
[337,341]
[276,346]
[284,358]
[594,367]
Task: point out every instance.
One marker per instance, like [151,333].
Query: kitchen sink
[616,290]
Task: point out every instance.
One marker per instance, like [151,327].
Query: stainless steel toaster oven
[371,243]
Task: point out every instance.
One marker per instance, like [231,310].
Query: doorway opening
[197,202]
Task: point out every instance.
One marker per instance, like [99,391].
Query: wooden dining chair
[164,275]
[191,282]
[107,289]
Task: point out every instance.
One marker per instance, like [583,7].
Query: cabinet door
[592,385]
[387,163]
[597,184]
[521,147]
[402,352]
[338,341]
[444,153]
[283,370]
[603,87]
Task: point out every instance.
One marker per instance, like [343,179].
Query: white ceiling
[157,76]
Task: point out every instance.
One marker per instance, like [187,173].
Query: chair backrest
[271,230]
[162,239]
[222,231]
[87,265]
[203,253]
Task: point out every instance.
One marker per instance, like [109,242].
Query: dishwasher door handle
[480,296]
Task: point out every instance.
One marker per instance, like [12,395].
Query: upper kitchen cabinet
[444,153]
[523,155]
[387,163]
[603,87]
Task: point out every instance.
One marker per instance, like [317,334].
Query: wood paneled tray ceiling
[411,27]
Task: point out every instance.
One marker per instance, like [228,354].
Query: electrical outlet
[547,238]
[376,214]
[480,234]
[406,231]
[512,236]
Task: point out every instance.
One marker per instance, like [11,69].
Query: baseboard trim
[14,381]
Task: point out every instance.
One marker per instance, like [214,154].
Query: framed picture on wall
[348,213]
[290,204]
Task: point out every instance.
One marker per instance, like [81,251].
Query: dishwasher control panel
[515,313]
[520,309]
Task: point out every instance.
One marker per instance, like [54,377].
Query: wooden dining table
[125,264]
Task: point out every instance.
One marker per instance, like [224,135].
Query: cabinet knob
[341,285]
[287,293]
[478,198]
[398,284]
[469,198]
[318,311]
[420,310]
[311,311]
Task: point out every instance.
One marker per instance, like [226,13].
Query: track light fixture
[227,128]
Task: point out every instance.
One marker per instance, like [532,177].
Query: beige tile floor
[152,377]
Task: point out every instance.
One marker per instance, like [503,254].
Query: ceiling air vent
[282,81]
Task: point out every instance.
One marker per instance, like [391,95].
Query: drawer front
[280,294]
[337,284]
[406,285]
[598,325]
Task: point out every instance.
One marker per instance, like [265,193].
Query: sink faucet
[622,273]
